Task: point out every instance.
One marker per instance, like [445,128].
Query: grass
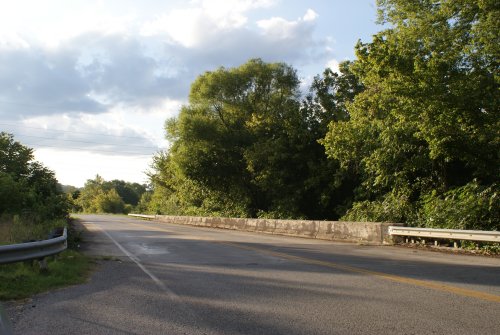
[5,232]
[17,229]
[22,280]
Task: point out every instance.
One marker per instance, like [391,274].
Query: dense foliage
[27,188]
[246,145]
[100,196]
[407,132]
[31,201]
[426,128]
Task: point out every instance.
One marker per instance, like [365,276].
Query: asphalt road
[162,278]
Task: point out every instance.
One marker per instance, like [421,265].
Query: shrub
[393,207]
[471,206]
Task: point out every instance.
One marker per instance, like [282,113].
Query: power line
[88,150]
[47,107]
[89,142]
[69,131]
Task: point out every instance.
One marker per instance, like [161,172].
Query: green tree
[109,202]
[129,192]
[101,196]
[15,158]
[11,194]
[247,145]
[427,120]
[26,186]
[92,189]
[214,137]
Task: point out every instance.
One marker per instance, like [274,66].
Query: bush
[471,206]
[392,208]
[110,202]
[27,229]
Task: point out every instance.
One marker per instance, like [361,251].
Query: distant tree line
[30,190]
[407,132]
[100,196]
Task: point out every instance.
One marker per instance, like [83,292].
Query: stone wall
[359,232]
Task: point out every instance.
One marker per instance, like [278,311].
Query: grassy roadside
[22,280]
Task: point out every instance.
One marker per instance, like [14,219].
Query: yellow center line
[395,278]
[405,280]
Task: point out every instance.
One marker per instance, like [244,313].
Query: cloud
[85,132]
[96,71]
[124,71]
[53,22]
[102,76]
[310,15]
[280,28]
[333,64]
[190,27]
[90,81]
[89,74]
[75,167]
[212,33]
[12,41]
[35,81]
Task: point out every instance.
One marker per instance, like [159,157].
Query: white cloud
[232,9]
[191,26]
[50,23]
[280,28]
[83,71]
[305,84]
[104,133]
[88,165]
[12,41]
[310,15]
[333,64]
[183,26]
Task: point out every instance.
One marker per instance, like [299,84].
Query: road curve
[160,278]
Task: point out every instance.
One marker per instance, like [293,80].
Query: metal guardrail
[33,250]
[451,234]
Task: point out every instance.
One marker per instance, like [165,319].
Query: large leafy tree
[328,190]
[219,136]
[26,186]
[247,145]
[428,119]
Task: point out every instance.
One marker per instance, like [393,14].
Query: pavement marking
[171,294]
[136,260]
[395,278]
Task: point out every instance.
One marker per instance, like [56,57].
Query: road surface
[162,278]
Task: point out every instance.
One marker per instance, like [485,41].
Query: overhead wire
[43,145]
[118,153]
[89,142]
[68,131]
[16,103]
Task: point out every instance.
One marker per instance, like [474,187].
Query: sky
[89,84]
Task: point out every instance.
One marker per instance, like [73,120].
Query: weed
[22,280]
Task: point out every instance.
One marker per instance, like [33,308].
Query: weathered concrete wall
[361,232]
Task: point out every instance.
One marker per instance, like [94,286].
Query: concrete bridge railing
[359,232]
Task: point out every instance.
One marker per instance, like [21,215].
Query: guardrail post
[43,264]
